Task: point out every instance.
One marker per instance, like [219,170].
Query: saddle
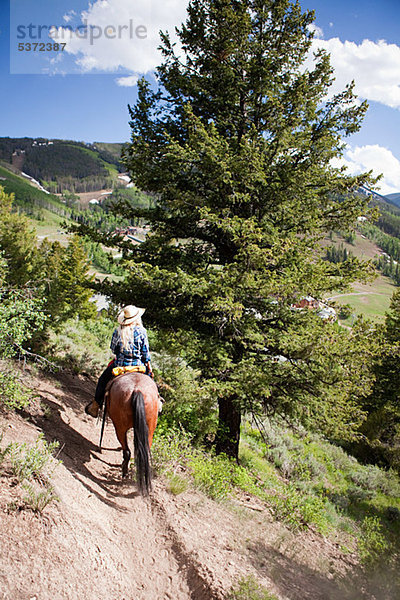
[132,369]
[119,371]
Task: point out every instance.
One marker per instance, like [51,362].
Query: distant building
[327,313]
[307,302]
[324,311]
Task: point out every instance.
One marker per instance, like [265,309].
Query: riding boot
[93,407]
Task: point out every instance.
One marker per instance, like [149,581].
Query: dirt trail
[104,541]
[111,543]
[356,294]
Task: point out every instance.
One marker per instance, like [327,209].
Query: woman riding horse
[133,400]
[130,345]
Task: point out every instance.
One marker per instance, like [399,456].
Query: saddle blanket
[133,369]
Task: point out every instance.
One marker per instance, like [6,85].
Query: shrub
[189,402]
[170,449]
[31,467]
[216,476]
[176,484]
[298,510]
[32,462]
[12,394]
[37,497]
[213,475]
[82,345]
[345,311]
[3,451]
[248,588]
[368,477]
[358,494]
[372,543]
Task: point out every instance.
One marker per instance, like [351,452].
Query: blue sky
[85,96]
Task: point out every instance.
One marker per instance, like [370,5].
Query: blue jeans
[104,378]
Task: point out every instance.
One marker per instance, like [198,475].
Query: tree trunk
[228,433]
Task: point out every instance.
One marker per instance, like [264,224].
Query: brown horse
[132,402]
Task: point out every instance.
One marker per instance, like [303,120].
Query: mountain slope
[63,164]
[28,196]
[395,198]
[102,540]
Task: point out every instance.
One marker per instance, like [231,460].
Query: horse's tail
[141,441]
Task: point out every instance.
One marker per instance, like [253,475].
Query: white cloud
[318,32]
[375,158]
[112,45]
[69,16]
[113,41]
[129,81]
[374,66]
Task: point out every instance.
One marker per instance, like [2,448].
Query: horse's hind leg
[122,438]
[125,463]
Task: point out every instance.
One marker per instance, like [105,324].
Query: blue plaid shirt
[138,352]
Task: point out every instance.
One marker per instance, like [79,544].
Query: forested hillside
[29,198]
[395,198]
[63,164]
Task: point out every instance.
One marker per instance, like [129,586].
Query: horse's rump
[119,396]
[132,402]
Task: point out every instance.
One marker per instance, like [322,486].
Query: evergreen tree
[236,144]
[17,242]
[64,278]
[382,427]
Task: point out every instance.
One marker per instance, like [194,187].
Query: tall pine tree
[236,144]
[17,242]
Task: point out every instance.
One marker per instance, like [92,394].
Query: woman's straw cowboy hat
[129,314]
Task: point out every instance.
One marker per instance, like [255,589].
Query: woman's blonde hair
[126,332]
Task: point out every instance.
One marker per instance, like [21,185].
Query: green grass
[176,484]
[112,148]
[219,477]
[362,248]
[51,226]
[357,504]
[371,301]
[304,480]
